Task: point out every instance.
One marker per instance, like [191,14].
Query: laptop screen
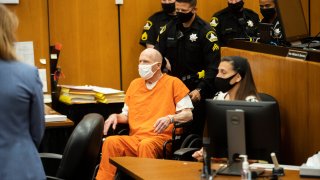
[292,19]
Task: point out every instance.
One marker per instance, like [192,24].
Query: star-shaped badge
[193,37]
[277,32]
[250,23]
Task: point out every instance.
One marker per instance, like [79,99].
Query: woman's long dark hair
[247,86]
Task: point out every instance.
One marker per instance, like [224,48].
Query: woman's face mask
[145,71]
[224,84]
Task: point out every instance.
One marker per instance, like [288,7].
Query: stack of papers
[77,94]
[90,94]
[55,117]
[108,95]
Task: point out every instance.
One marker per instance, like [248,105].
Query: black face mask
[236,7]
[168,8]
[224,84]
[268,13]
[184,17]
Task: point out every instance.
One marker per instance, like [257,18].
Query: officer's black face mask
[184,17]
[224,84]
[168,8]
[236,7]
[268,13]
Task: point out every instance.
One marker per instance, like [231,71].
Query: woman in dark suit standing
[21,109]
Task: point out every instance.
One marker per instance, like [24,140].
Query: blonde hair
[8,25]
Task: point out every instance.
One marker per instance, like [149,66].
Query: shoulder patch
[147,26]
[144,36]
[163,29]
[211,36]
[215,47]
[214,22]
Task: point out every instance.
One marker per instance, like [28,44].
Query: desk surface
[49,110]
[144,168]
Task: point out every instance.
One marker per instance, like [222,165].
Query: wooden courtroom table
[56,134]
[145,168]
[56,124]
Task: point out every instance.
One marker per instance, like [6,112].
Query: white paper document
[9,1]
[55,117]
[43,78]
[25,52]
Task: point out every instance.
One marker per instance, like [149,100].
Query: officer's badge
[193,37]
[277,32]
[147,26]
[163,29]
[144,36]
[215,47]
[250,23]
[214,22]
[211,36]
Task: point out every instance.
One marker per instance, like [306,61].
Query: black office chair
[266,97]
[81,153]
[180,140]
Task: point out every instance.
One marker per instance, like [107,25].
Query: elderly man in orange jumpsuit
[153,102]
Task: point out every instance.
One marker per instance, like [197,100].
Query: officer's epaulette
[221,12]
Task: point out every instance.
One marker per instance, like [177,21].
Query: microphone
[315,37]
[277,170]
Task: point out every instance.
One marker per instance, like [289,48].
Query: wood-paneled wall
[315,16]
[33,26]
[294,83]
[88,32]
[132,22]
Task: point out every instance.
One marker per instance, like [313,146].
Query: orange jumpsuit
[145,107]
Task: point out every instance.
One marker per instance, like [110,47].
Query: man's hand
[112,119]
[195,95]
[198,155]
[168,65]
[161,124]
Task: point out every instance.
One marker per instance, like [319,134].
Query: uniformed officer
[191,48]
[269,13]
[235,22]
[155,22]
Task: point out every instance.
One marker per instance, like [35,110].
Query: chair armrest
[50,155]
[184,154]
[50,162]
[182,124]
[164,148]
[53,178]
